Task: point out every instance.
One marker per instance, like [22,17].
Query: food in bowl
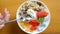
[33,15]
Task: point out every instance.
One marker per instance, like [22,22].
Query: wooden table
[12,5]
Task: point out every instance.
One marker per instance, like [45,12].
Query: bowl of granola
[34,16]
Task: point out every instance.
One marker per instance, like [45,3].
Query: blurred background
[12,6]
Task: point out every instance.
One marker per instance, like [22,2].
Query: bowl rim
[18,12]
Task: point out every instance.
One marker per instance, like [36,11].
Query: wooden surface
[12,5]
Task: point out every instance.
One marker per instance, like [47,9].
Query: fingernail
[5,9]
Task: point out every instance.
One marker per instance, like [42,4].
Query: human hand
[4,18]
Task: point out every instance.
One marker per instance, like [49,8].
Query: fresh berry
[41,14]
[34,23]
[32,28]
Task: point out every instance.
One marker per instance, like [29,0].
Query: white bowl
[45,23]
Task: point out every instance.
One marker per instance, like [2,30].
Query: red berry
[32,28]
[34,23]
[41,14]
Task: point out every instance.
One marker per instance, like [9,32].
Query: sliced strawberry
[34,23]
[32,28]
[41,14]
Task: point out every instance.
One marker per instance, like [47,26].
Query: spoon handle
[9,21]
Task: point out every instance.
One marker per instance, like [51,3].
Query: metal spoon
[9,21]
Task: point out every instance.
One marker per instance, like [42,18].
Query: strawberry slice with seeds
[41,14]
[34,23]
